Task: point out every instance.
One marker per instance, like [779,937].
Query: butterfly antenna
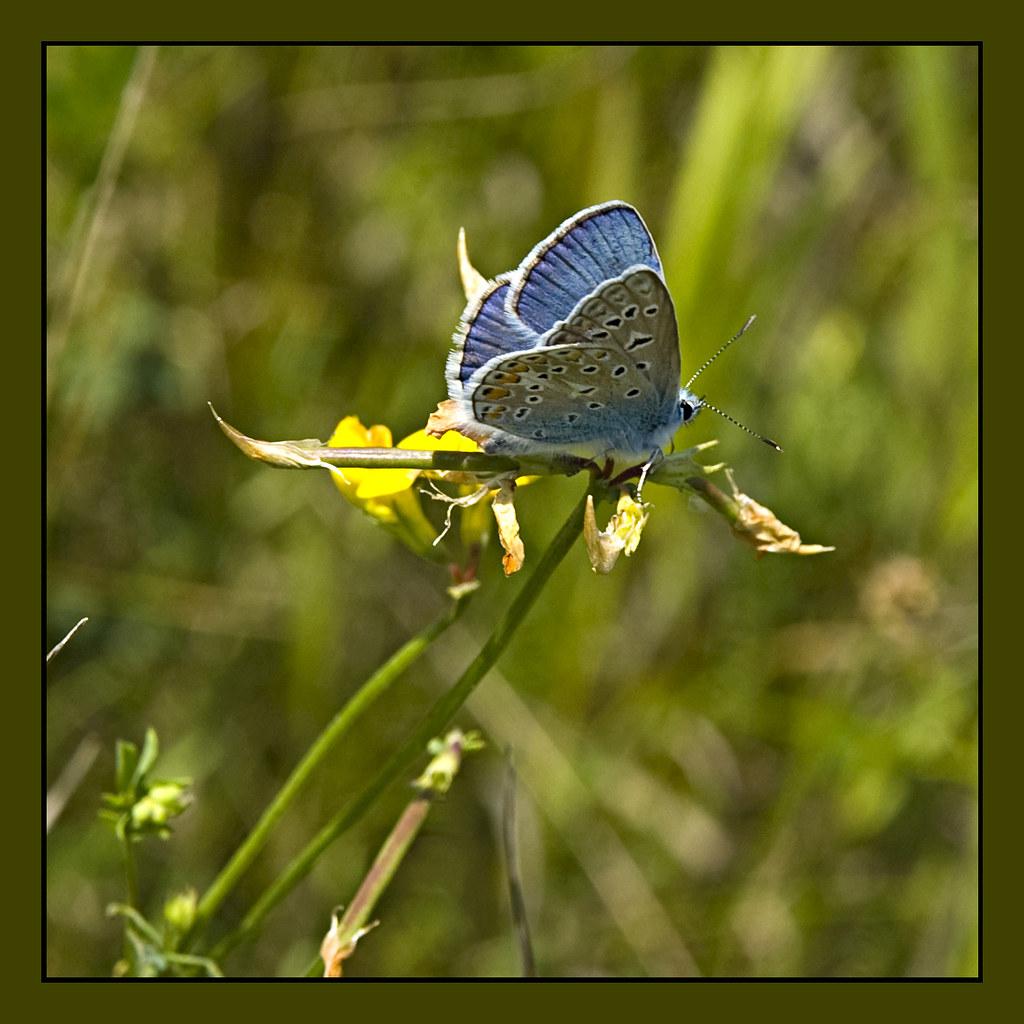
[707,362]
[736,423]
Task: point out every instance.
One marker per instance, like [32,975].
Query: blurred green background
[728,766]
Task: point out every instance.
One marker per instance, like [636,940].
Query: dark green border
[23,68]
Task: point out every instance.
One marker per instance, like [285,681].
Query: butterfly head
[689,405]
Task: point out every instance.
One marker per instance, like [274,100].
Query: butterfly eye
[687,410]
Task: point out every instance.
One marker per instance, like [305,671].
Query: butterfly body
[576,352]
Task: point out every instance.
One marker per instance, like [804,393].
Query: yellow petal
[380,483]
[451,442]
[363,485]
[350,433]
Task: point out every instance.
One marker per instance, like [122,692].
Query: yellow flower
[387,494]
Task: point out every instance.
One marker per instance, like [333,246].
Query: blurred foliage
[729,765]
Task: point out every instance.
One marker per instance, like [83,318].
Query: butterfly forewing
[593,246]
[486,330]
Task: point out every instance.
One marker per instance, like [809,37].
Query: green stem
[410,458]
[436,719]
[131,878]
[131,872]
[312,454]
[373,688]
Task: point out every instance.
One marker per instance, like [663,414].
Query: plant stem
[131,873]
[377,879]
[436,780]
[724,504]
[432,724]
[314,454]
[373,688]
[131,878]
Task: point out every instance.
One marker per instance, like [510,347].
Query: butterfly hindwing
[566,394]
[593,246]
[632,314]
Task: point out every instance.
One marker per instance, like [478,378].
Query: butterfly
[575,352]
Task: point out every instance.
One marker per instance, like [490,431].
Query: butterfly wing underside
[608,374]
[486,330]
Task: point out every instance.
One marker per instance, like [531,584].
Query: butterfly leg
[655,457]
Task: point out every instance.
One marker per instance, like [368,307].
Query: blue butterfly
[576,351]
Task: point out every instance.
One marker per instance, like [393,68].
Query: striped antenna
[707,362]
[736,423]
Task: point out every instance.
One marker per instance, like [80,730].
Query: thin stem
[131,873]
[411,458]
[314,454]
[373,688]
[432,724]
[377,879]
[724,504]
[131,888]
